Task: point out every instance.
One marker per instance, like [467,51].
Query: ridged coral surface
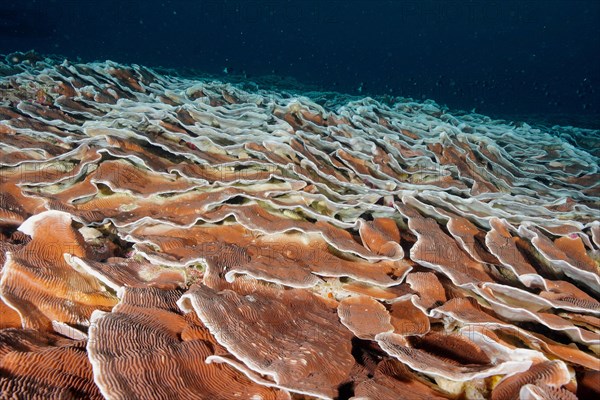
[171,237]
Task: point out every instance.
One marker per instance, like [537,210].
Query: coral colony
[166,237]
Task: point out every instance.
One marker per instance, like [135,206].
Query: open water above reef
[508,59]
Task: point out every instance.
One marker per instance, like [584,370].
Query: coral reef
[169,237]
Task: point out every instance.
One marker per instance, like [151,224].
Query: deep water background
[514,59]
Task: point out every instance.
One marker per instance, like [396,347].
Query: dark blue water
[532,58]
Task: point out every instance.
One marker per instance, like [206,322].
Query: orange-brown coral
[163,237]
